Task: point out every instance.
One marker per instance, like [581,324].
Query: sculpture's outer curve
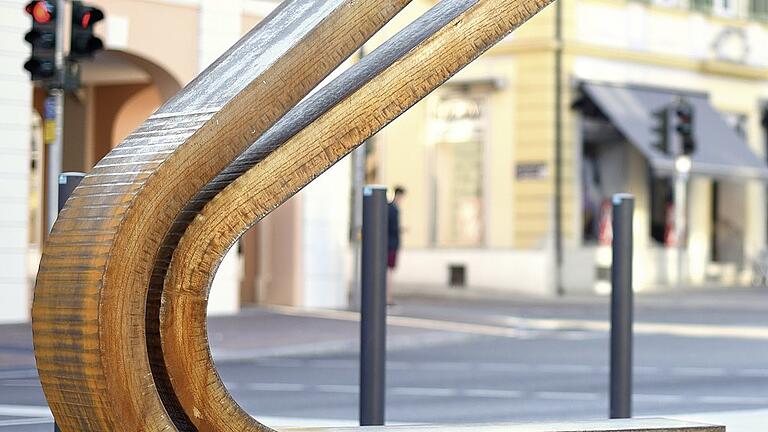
[91,293]
[97,312]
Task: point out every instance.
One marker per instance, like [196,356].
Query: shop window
[662,201]
[592,196]
[759,9]
[702,5]
[458,200]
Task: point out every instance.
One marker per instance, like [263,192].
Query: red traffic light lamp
[43,12]
[42,64]
[84,44]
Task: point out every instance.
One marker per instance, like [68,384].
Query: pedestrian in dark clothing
[393,236]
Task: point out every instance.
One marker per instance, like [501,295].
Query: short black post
[621,307]
[67,183]
[373,311]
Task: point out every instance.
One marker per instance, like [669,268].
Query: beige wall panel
[175,51]
[402,146]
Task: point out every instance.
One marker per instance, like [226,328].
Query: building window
[759,9]
[458,137]
[667,3]
[738,122]
[703,5]
[720,7]
[726,7]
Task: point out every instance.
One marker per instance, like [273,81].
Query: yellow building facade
[500,163]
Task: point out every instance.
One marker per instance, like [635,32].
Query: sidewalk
[256,333]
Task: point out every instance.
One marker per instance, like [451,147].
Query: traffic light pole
[54,149]
[684,146]
[682,169]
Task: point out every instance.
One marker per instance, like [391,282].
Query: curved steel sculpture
[119,310]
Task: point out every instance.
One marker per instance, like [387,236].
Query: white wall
[15,123]
[325,238]
[632,26]
[220,27]
[224,298]
[522,271]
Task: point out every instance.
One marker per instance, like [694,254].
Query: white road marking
[489,393]
[562,368]
[21,383]
[658,398]
[330,388]
[754,373]
[737,400]
[17,374]
[669,329]
[699,371]
[26,421]
[423,391]
[24,411]
[277,387]
[568,396]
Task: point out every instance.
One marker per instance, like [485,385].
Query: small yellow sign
[49,132]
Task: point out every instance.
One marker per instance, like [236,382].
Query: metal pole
[67,182]
[373,313]
[558,210]
[621,307]
[54,150]
[358,180]
[681,203]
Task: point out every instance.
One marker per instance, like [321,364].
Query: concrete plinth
[634,425]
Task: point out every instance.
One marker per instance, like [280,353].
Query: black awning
[720,151]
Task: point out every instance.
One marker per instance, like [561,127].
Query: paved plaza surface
[698,355]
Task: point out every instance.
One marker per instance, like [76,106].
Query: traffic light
[685,126]
[660,129]
[42,37]
[84,44]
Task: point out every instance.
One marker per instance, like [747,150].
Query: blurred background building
[569,100]
[507,166]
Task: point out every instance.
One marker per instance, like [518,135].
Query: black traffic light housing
[660,129]
[42,64]
[83,42]
[684,114]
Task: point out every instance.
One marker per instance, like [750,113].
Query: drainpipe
[558,225]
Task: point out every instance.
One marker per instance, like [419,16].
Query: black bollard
[67,183]
[621,307]
[373,311]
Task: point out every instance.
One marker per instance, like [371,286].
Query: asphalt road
[547,362]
